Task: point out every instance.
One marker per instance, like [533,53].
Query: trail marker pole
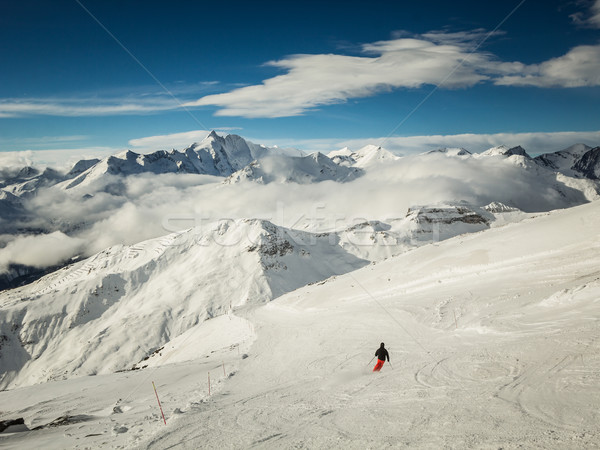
[159,405]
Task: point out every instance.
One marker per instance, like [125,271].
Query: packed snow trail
[494,339]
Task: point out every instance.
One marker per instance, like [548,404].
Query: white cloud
[112,101]
[61,159]
[313,80]
[446,60]
[39,250]
[577,68]
[69,107]
[10,160]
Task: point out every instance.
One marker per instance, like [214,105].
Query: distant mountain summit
[503,150]
[214,155]
[451,151]
[364,157]
[579,160]
[564,160]
[313,168]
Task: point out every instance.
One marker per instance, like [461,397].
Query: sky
[83,78]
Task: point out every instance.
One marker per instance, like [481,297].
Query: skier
[381,354]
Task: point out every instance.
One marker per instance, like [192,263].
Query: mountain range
[234,157]
[554,180]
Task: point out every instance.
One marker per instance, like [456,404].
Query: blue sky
[99,76]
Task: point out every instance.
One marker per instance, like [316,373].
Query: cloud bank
[40,250]
[534,143]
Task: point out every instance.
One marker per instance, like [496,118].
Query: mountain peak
[503,150]
[212,135]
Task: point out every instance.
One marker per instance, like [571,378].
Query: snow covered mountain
[137,298]
[88,202]
[503,150]
[563,160]
[376,240]
[366,156]
[29,180]
[215,155]
[313,168]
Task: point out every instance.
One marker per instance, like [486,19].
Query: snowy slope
[494,343]
[137,298]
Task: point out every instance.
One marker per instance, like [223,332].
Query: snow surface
[494,343]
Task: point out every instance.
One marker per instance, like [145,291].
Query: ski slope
[493,337]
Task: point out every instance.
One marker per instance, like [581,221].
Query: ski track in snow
[493,337]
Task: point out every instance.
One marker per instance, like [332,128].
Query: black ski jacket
[382,353]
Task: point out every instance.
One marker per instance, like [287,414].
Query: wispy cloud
[314,80]
[70,107]
[42,140]
[445,60]
[579,67]
[589,19]
[112,101]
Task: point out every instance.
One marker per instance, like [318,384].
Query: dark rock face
[4,424]
[589,164]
